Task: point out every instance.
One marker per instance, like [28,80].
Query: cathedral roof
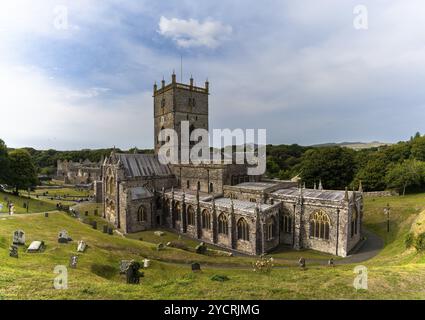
[140,193]
[142,165]
[329,195]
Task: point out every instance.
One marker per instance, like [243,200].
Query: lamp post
[387,212]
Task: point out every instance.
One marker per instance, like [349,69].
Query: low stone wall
[379,194]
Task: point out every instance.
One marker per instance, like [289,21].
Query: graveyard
[95,272]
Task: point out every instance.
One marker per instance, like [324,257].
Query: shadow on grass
[104,271]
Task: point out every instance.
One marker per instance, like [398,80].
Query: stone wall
[379,194]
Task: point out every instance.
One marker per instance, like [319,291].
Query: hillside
[354,145]
[394,273]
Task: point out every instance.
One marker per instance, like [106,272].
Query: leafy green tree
[23,173]
[373,173]
[333,165]
[404,175]
[4,163]
[418,148]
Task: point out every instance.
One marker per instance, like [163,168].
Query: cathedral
[220,203]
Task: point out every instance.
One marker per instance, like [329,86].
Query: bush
[420,242]
[408,241]
[264,265]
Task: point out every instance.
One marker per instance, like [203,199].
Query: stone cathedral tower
[177,102]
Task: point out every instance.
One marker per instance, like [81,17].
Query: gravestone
[63,237]
[46,214]
[73,262]
[36,246]
[94,224]
[146,263]
[95,212]
[196,267]
[131,270]
[19,237]
[86,213]
[331,262]
[110,231]
[159,233]
[301,263]
[82,246]
[201,248]
[105,228]
[13,251]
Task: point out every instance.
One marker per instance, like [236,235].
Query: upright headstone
[131,270]
[110,231]
[94,224]
[201,248]
[13,251]
[196,267]
[19,237]
[146,263]
[73,262]
[46,214]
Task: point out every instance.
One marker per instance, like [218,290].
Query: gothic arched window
[190,216]
[223,226]
[243,229]
[354,222]
[287,223]
[177,210]
[319,225]
[270,228]
[206,220]
[141,214]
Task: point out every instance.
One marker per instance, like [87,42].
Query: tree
[404,175]
[333,165]
[23,173]
[4,163]
[418,148]
[372,175]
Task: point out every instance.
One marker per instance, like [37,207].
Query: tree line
[398,166]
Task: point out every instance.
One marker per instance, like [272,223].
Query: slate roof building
[220,203]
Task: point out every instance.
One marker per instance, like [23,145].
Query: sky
[79,74]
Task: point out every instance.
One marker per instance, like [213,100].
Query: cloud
[192,33]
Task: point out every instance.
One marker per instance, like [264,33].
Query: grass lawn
[394,273]
[34,204]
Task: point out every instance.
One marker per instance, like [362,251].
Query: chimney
[207,86]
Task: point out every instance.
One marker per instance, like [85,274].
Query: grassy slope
[394,273]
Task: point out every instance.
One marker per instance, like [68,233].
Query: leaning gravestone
[196,267]
[13,251]
[82,246]
[36,246]
[19,237]
[73,262]
[63,237]
[201,248]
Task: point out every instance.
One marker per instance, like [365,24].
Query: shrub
[420,242]
[408,241]
[264,265]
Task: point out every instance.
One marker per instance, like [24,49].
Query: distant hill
[354,145]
